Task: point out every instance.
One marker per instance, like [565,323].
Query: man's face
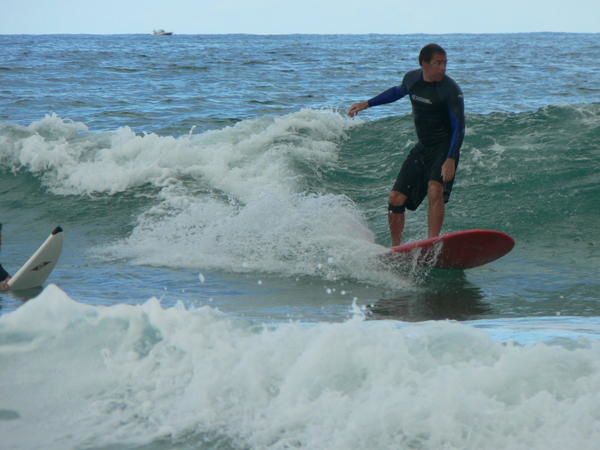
[435,70]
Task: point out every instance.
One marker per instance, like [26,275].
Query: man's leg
[396,216]
[435,194]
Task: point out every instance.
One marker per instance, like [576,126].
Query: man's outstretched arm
[388,96]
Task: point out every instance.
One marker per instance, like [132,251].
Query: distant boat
[162,33]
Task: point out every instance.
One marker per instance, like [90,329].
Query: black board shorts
[423,164]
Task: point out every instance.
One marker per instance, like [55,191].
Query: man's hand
[357,107]
[448,170]
[4,284]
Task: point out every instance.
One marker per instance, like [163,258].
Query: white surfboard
[37,268]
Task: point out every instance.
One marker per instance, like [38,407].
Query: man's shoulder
[411,77]
[450,87]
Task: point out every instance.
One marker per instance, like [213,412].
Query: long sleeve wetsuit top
[438,109]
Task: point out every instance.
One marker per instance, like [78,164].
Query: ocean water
[219,286]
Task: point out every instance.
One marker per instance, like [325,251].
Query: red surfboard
[458,250]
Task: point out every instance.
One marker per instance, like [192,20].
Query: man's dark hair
[428,51]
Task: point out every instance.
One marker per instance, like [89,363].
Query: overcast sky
[298,16]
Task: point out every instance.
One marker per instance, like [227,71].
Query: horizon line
[297,34]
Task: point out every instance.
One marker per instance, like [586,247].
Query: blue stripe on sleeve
[389,96]
[458,133]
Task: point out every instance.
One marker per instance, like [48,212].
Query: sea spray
[142,374]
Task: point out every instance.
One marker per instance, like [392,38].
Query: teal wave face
[516,170]
[540,167]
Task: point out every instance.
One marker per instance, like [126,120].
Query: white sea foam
[85,376]
[290,234]
[236,199]
[249,158]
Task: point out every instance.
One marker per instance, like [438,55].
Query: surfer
[430,167]
[4,276]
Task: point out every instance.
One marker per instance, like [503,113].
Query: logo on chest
[416,98]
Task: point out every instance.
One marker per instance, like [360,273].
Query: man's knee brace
[396,209]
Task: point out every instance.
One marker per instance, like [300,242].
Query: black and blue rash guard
[438,109]
[3,274]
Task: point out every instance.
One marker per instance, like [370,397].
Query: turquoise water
[219,285]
